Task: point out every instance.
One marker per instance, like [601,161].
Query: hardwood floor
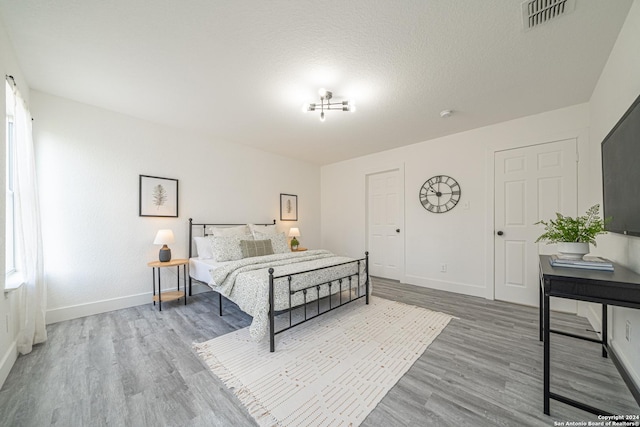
[136,367]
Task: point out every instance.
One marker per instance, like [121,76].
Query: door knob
[500,233]
[397,230]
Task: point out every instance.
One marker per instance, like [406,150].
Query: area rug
[331,371]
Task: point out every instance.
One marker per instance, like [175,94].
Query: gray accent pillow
[251,248]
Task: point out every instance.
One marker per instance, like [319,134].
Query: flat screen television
[621,174]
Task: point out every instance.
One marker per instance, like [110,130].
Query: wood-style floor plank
[136,367]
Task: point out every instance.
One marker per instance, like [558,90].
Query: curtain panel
[28,234]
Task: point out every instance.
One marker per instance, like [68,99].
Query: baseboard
[82,310]
[8,359]
[629,377]
[458,288]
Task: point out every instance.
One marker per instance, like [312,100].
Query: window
[10,259]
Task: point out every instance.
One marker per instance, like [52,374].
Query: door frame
[582,145]
[401,215]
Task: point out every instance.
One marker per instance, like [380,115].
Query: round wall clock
[440,194]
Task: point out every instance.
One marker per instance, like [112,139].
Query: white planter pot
[573,250]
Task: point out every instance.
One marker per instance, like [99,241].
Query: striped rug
[331,371]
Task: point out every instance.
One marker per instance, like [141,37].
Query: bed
[252,265]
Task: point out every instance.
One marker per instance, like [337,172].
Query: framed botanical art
[288,207]
[158,196]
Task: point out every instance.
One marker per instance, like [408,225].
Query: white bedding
[200,269]
[246,281]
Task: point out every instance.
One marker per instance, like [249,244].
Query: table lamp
[293,233]
[164,237]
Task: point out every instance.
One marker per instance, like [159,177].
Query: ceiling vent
[537,12]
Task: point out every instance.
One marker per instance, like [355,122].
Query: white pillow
[240,230]
[227,248]
[203,247]
[278,241]
[262,230]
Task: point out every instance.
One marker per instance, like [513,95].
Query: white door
[384,218]
[531,183]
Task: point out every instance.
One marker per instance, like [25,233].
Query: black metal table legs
[545,336]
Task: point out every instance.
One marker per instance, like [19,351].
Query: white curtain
[28,234]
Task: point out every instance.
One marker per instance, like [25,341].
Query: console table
[620,288]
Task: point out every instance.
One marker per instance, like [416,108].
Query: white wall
[463,238]
[617,88]
[96,247]
[8,301]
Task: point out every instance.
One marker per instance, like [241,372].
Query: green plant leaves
[567,229]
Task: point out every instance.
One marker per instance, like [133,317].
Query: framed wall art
[158,196]
[288,207]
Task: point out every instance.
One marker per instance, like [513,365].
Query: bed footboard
[343,284]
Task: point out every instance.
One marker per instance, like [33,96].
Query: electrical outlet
[443,268]
[627,331]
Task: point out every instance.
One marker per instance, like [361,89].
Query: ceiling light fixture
[326,104]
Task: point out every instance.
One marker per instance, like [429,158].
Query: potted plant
[294,244]
[573,235]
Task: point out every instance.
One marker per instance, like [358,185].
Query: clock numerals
[440,194]
[451,204]
[430,207]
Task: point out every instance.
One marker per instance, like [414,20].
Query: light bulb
[322,92]
[305,108]
[352,106]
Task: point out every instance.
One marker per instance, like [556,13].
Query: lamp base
[165,254]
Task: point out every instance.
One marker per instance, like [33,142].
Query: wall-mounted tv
[621,174]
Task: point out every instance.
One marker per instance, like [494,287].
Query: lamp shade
[294,232]
[164,237]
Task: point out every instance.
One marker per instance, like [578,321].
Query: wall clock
[440,194]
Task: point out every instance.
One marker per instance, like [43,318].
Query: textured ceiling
[241,70]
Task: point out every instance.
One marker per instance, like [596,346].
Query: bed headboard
[200,229]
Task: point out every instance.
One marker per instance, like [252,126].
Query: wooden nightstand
[169,295]
[299,249]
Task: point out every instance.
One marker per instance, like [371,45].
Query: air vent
[537,12]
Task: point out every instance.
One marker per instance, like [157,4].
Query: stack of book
[587,263]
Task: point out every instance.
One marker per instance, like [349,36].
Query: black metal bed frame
[348,287]
[204,233]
